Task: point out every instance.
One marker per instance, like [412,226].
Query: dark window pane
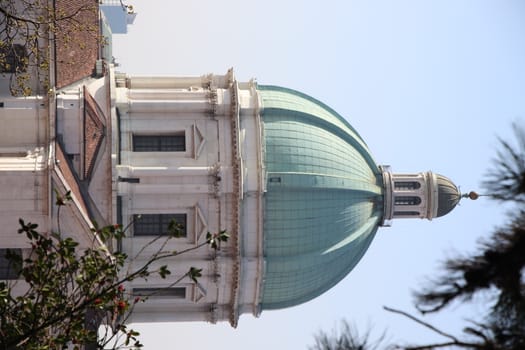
[146,224]
[161,293]
[175,143]
[8,269]
[407,200]
[406,213]
[159,143]
[158,224]
[406,185]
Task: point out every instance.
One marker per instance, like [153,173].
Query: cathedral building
[288,178]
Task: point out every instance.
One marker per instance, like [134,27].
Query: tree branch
[7,14]
[454,341]
[421,322]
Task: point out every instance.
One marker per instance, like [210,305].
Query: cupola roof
[448,195]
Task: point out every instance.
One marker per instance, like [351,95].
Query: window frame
[162,220]
[172,142]
[177,292]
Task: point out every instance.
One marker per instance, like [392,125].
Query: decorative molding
[213,313]
[198,141]
[207,81]
[215,173]
[199,293]
[214,101]
[201,225]
[237,193]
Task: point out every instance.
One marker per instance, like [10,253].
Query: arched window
[407,200]
[406,185]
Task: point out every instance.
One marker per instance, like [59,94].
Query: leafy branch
[68,291]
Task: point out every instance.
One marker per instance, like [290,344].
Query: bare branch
[421,322]
[15,17]
[454,341]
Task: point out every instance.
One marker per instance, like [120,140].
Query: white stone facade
[204,178]
[45,147]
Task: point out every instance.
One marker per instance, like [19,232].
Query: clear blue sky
[428,84]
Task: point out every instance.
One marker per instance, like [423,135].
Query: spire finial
[471,195]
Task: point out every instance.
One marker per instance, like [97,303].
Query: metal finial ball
[473,195]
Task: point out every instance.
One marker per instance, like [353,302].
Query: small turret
[418,195]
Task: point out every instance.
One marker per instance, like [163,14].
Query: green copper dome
[324,199]
[448,195]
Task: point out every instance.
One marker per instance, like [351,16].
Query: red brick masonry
[77,40]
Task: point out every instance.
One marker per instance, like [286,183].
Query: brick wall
[77,40]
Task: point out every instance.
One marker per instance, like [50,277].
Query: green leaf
[223,236]
[194,273]
[163,271]
[175,229]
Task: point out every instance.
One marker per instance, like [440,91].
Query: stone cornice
[237,193]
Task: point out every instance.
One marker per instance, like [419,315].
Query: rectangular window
[8,270]
[158,224]
[161,293]
[159,143]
